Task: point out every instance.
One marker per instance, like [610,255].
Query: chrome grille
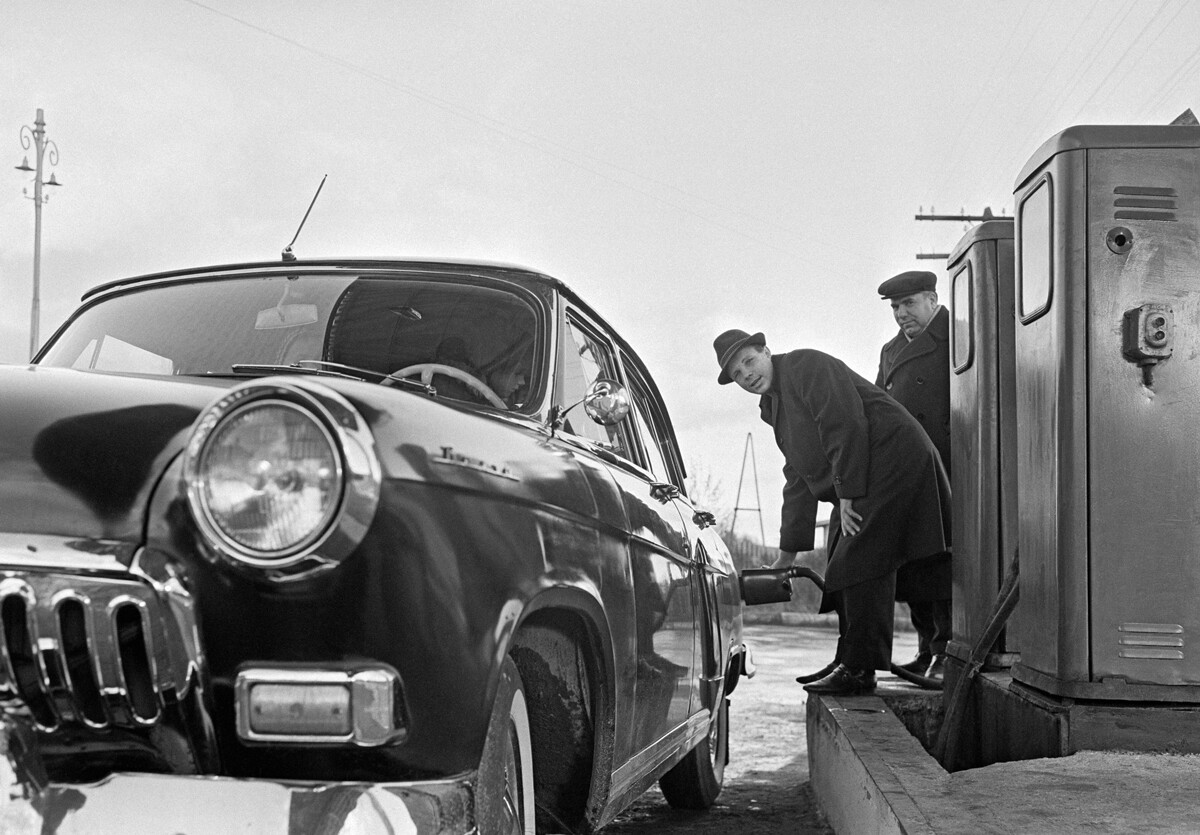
[83,650]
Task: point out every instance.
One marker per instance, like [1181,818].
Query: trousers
[932,620]
[866,613]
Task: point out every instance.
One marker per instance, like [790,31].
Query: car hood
[80,451]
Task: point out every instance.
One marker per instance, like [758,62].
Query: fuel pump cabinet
[1107,354]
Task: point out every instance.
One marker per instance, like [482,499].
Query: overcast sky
[686,166]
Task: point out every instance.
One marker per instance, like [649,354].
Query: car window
[586,358]
[484,333]
[650,427]
[653,455]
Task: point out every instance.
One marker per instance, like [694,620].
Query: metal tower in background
[748,452]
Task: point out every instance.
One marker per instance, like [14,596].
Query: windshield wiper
[331,369]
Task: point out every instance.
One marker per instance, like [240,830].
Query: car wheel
[504,783]
[696,780]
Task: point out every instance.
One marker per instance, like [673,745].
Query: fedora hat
[727,344]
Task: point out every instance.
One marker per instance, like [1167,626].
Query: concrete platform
[871,775]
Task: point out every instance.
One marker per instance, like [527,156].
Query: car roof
[497,269]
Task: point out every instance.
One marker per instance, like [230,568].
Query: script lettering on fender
[457,459]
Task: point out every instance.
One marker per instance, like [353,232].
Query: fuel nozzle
[773,585]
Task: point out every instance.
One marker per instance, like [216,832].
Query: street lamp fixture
[35,138]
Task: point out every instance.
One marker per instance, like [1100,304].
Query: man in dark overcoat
[914,368]
[846,442]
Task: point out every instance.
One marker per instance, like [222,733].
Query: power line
[1132,44]
[1172,82]
[952,168]
[1083,19]
[961,217]
[1039,130]
[561,152]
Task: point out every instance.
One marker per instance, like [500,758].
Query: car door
[654,431]
[661,641]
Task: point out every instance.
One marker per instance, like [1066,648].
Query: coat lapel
[925,342]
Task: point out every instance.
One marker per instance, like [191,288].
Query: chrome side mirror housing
[606,402]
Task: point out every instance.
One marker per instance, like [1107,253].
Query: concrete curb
[870,775]
[852,746]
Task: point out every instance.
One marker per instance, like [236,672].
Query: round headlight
[268,480]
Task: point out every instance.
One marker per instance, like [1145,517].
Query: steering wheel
[428,369]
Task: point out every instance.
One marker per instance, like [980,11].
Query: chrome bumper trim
[219,805]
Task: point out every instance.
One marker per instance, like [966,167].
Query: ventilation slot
[72,624]
[1150,640]
[135,663]
[21,654]
[1145,203]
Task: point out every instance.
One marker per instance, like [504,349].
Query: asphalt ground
[766,781]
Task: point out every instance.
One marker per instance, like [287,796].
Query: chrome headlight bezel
[358,472]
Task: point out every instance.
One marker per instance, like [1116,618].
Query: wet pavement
[767,787]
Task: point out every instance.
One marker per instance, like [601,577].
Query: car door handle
[663,492]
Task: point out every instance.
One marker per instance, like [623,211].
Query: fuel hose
[945,748]
[773,585]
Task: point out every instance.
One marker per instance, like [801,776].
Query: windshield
[455,335]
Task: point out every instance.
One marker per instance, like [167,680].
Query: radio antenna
[288,255]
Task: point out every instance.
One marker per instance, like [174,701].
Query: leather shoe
[919,664]
[844,682]
[937,670]
[819,674]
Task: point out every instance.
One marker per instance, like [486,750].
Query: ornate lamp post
[37,138]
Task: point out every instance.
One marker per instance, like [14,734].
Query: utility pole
[36,137]
[962,216]
[748,452]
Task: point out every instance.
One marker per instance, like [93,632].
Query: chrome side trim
[632,778]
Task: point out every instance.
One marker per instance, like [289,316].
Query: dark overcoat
[842,437]
[917,374]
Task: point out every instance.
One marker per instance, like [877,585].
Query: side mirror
[606,402]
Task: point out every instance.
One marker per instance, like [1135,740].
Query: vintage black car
[360,545]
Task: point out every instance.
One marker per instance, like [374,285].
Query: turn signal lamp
[319,706]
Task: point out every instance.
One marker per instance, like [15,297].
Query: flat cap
[907,283]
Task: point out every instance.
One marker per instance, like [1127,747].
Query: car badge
[457,459]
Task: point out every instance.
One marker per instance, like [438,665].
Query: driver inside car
[452,351]
[510,385]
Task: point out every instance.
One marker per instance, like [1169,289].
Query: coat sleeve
[798,526]
[826,389]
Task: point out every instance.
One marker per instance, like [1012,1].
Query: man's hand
[851,519]
[786,559]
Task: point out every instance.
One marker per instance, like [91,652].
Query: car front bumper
[199,805]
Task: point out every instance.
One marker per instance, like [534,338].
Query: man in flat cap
[846,442]
[914,368]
